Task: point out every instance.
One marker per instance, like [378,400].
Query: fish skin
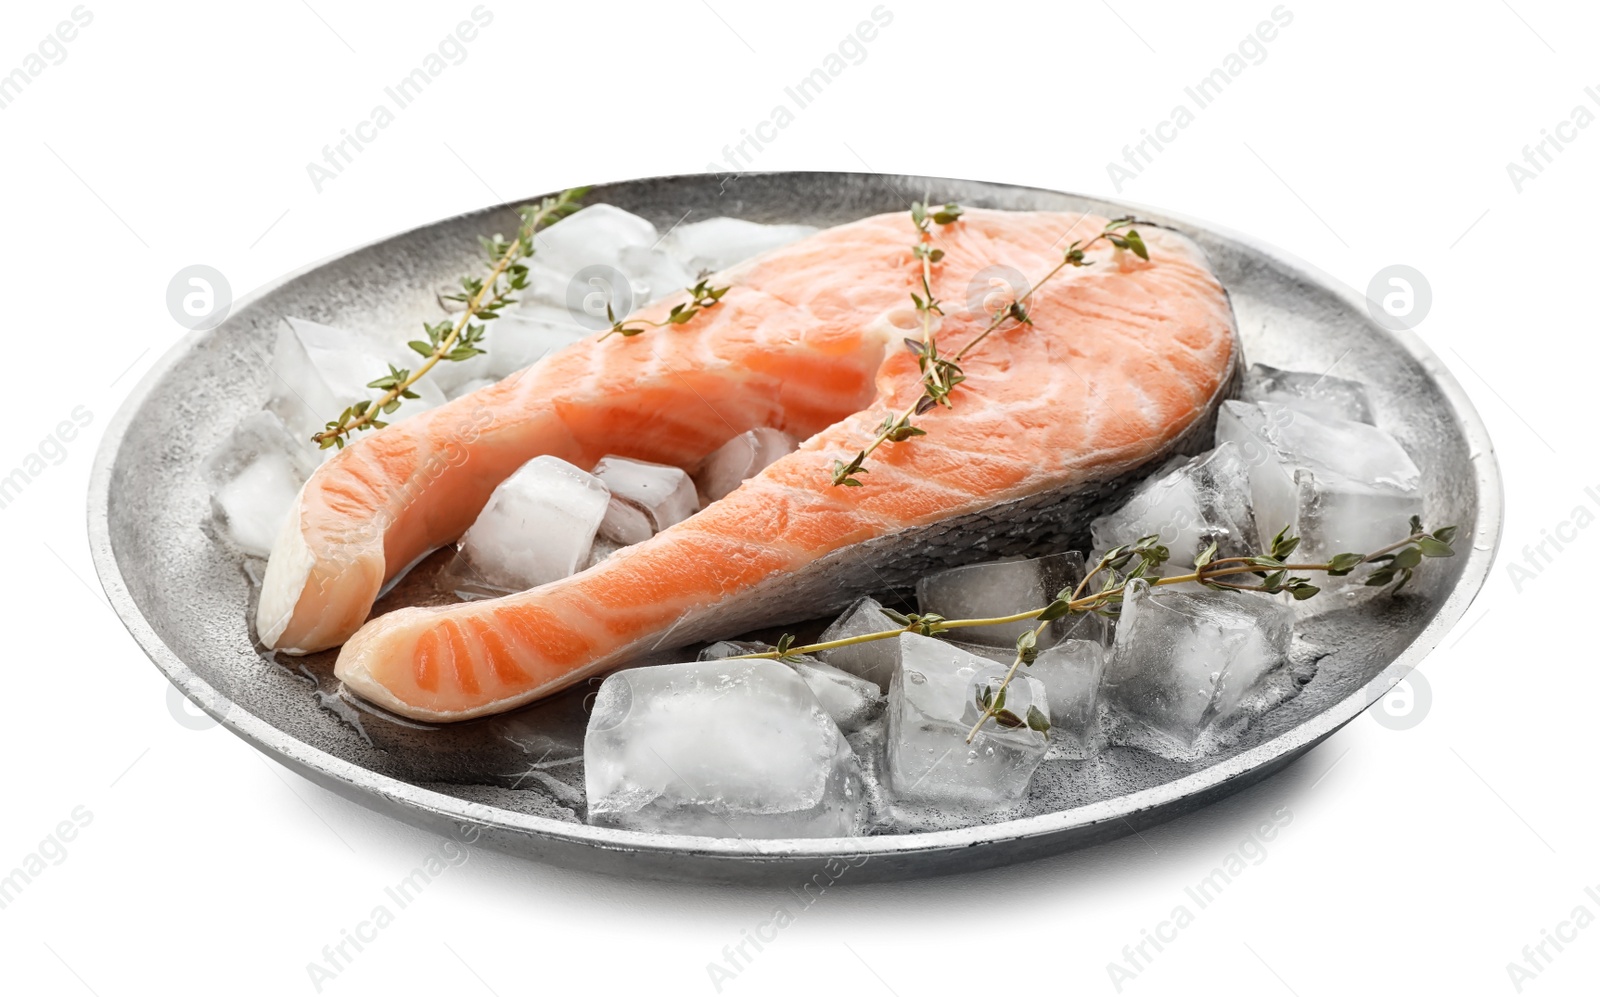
[1032,448]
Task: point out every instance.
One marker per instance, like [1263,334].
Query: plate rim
[402,796]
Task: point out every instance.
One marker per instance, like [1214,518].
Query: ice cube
[598,255]
[318,371]
[1200,501]
[1004,588]
[254,475]
[653,274]
[718,243]
[741,457]
[1339,485]
[515,341]
[732,649]
[1336,447]
[851,701]
[1334,516]
[646,498]
[603,256]
[1071,672]
[720,748]
[595,234]
[1316,395]
[625,523]
[1271,472]
[874,660]
[933,702]
[1182,659]
[509,344]
[538,526]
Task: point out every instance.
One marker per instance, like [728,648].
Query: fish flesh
[1123,364]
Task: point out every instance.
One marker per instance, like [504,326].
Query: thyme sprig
[1143,559]
[702,295]
[941,374]
[1119,232]
[993,703]
[454,340]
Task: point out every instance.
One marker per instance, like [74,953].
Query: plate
[505,782]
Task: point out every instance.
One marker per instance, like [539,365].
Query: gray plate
[186,597]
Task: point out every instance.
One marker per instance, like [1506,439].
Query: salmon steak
[1123,363]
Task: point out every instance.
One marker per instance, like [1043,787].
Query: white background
[1416,861]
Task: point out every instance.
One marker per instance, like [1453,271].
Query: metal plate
[186,597]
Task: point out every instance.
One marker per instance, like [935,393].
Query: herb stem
[701,296]
[473,304]
[1074,257]
[1418,544]
[487,297]
[1005,683]
[1005,313]
[883,436]
[941,375]
[1086,603]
